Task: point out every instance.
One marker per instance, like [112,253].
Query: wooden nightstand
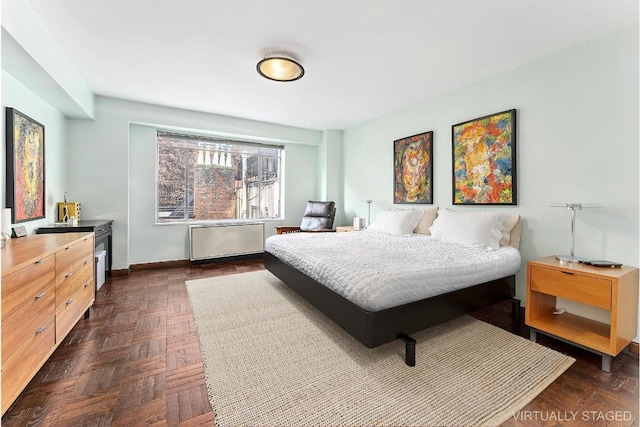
[346,228]
[612,289]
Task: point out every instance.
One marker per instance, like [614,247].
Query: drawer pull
[568,272]
[85,262]
[69,302]
[69,274]
[40,295]
[40,261]
[86,285]
[40,330]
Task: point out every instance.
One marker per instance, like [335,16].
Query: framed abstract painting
[484,160]
[25,167]
[413,169]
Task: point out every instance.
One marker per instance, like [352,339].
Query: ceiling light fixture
[280,69]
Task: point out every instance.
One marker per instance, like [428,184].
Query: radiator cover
[218,241]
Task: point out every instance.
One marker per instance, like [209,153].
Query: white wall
[112,172]
[577,141]
[17,96]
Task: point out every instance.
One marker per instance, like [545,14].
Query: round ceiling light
[280,69]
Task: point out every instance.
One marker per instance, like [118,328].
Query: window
[200,179]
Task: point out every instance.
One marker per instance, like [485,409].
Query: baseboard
[233,258]
[121,272]
[161,264]
[183,263]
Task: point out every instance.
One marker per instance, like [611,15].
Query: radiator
[218,241]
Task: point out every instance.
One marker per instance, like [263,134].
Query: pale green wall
[112,172]
[577,141]
[17,96]
[330,167]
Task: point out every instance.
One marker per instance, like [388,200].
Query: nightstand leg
[533,335]
[627,349]
[606,363]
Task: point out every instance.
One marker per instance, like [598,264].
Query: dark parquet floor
[136,361]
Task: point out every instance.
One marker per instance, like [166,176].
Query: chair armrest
[287,230]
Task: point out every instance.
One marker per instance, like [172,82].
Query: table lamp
[369,212]
[572,207]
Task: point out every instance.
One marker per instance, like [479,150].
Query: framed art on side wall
[484,160]
[25,167]
[413,169]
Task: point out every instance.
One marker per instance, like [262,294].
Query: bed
[385,283]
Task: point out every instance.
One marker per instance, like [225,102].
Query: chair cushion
[319,209]
[315,223]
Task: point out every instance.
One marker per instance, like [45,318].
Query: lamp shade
[280,69]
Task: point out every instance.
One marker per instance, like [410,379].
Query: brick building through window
[202,179]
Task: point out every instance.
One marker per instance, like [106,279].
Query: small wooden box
[73,210]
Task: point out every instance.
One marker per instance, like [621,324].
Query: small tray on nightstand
[601,263]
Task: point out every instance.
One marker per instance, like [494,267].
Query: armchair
[318,216]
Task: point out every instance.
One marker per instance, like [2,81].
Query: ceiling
[363,58]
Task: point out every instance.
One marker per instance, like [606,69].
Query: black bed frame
[375,328]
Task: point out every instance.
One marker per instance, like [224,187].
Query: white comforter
[376,271]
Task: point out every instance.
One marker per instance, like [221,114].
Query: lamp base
[569,258]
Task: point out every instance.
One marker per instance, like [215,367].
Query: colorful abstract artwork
[484,160]
[413,169]
[25,167]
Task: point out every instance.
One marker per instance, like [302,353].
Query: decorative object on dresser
[19,231]
[484,160]
[5,225]
[72,211]
[25,166]
[611,289]
[572,207]
[47,285]
[102,228]
[413,169]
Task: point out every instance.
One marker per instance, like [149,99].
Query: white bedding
[376,271]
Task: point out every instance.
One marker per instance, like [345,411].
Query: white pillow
[474,229]
[400,223]
[426,221]
[429,216]
[508,224]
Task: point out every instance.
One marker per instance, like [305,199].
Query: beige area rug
[272,359]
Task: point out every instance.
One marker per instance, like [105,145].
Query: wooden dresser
[48,282]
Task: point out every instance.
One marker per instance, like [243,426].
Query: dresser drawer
[69,258]
[23,365]
[574,286]
[21,325]
[71,282]
[72,310]
[21,287]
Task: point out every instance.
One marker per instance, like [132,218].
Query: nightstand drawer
[574,286]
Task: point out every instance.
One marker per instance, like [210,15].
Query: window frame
[227,140]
